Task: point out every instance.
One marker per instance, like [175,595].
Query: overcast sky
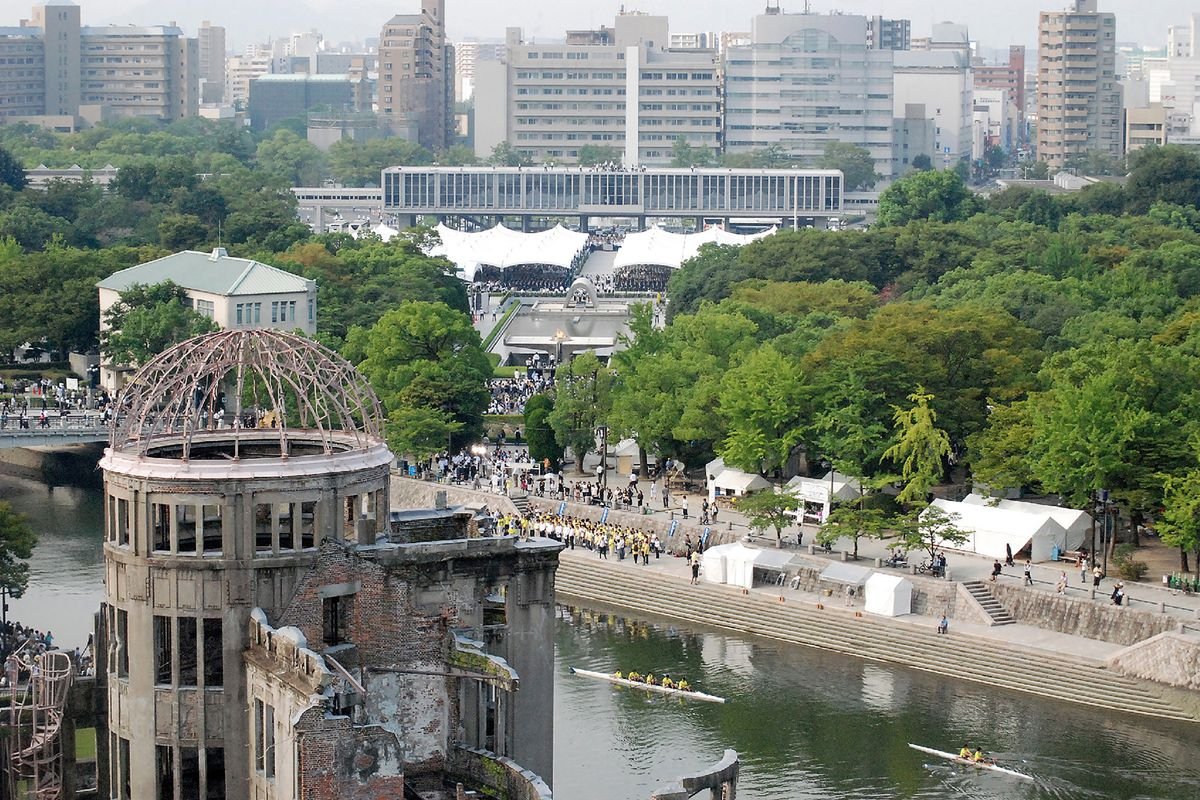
[994,23]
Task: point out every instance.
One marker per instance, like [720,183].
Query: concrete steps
[989,603]
[797,621]
[521,501]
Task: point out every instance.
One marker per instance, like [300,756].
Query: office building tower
[619,87]
[806,80]
[1079,98]
[416,86]
[888,34]
[211,40]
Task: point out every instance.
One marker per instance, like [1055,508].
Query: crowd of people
[509,395]
[530,278]
[22,645]
[647,278]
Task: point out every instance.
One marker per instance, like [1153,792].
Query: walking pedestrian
[695,568]
[683,506]
[1028,573]
[1008,559]
[1097,574]
[1083,569]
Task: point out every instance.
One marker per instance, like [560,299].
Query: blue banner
[673,528]
[604,516]
[562,509]
[704,537]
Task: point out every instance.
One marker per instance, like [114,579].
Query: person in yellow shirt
[683,686]
[667,683]
[965,753]
[650,680]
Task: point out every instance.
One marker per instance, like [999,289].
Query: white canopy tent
[732,564]
[726,481]
[888,595]
[657,247]
[990,529]
[503,247]
[1077,524]
[816,491]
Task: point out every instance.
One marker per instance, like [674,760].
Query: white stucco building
[233,292]
[940,79]
[806,80]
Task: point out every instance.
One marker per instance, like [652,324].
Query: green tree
[582,399]
[420,431]
[683,154]
[929,528]
[17,540]
[922,162]
[182,232]
[1169,174]
[1179,525]
[147,320]
[458,155]
[359,163]
[770,509]
[935,195]
[505,155]
[291,159]
[425,357]
[760,401]
[12,172]
[920,448]
[854,523]
[592,154]
[543,446]
[855,162]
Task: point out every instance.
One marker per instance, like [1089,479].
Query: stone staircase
[989,603]
[521,502]
[797,620]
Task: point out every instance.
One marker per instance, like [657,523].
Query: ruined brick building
[270,631]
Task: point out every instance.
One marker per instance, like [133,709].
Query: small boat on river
[982,765]
[649,687]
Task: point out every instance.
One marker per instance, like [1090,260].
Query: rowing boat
[964,762]
[649,687]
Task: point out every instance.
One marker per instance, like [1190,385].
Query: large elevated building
[792,196]
[270,630]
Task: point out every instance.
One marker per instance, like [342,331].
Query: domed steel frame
[270,375]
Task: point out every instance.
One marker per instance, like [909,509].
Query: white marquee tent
[730,563]
[888,595]
[989,529]
[726,481]
[503,247]
[655,246]
[1078,524]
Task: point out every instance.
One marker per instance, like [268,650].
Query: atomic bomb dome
[240,394]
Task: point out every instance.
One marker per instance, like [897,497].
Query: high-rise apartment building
[239,71]
[806,80]
[211,40]
[416,87]
[622,88]
[96,72]
[466,56]
[1079,98]
[889,34]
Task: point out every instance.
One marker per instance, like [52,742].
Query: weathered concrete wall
[410,493]
[1171,658]
[480,768]
[1115,624]
[720,779]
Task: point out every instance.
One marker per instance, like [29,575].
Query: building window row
[188,652]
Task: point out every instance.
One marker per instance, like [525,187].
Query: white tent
[989,529]
[730,563]
[888,595]
[657,247]
[1077,524]
[726,481]
[502,247]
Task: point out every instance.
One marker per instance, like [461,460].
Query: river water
[807,724]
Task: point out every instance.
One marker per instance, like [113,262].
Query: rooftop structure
[712,194]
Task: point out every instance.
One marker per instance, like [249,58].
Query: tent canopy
[503,247]
[730,563]
[888,595]
[657,247]
[989,530]
[1076,523]
[816,490]
[727,481]
[849,574]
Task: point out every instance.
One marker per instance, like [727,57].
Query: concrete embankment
[70,465]
[787,616]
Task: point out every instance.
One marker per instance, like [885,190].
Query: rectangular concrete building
[1079,98]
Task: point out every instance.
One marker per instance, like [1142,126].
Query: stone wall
[1171,658]
[503,776]
[720,780]
[1092,620]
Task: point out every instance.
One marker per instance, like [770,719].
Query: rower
[978,757]
[667,682]
[617,675]
[964,754]
[683,686]
[650,680]
[634,676]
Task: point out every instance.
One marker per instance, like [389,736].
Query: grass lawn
[85,744]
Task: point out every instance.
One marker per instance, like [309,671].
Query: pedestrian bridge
[58,431]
